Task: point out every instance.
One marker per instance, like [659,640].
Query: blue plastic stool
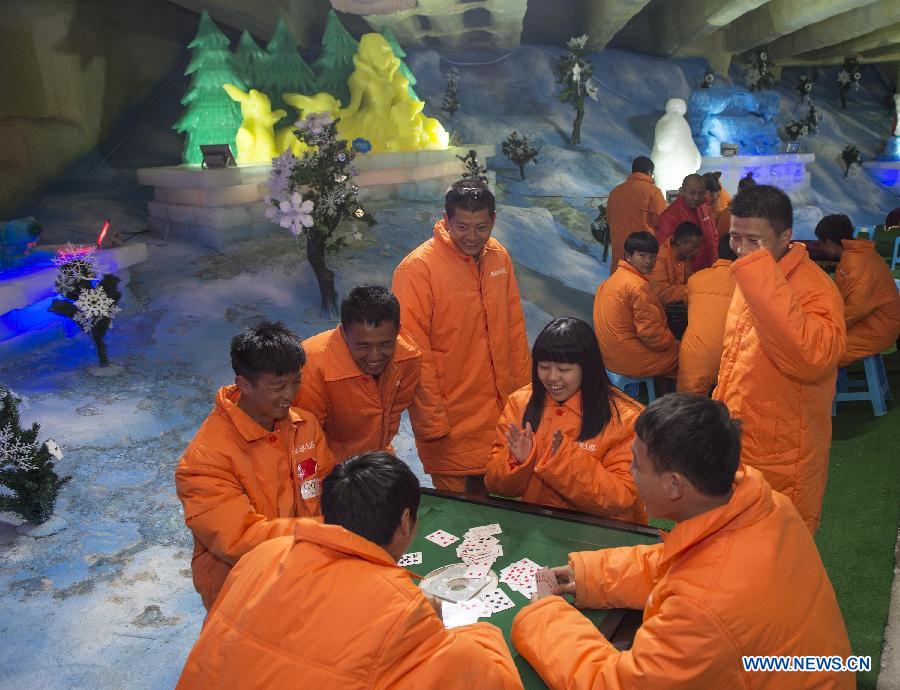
[632,384]
[896,258]
[874,387]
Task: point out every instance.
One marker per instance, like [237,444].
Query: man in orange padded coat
[328,608]
[632,206]
[784,337]
[256,464]
[460,305]
[359,377]
[739,575]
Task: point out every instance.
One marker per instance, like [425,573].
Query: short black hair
[695,436]
[641,241]
[746,181]
[469,195]
[642,164]
[568,340]
[266,348]
[370,305]
[835,227]
[685,230]
[725,250]
[766,202]
[712,181]
[367,494]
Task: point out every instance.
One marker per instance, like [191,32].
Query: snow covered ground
[108,601]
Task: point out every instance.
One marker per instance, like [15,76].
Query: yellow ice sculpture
[380,109]
[256,137]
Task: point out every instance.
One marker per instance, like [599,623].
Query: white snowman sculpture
[675,155]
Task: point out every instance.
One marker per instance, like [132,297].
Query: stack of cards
[479,549]
[519,576]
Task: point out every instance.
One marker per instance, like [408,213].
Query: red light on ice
[102,233]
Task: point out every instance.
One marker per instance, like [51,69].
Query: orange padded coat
[679,212]
[357,411]
[871,300]
[329,610]
[633,206]
[631,326]
[742,579]
[709,294]
[670,274]
[241,485]
[592,476]
[784,337]
[466,318]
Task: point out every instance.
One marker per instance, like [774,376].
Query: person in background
[328,608]
[691,206]
[718,198]
[739,575]
[460,306]
[670,274]
[255,466]
[632,206]
[871,300]
[784,337]
[709,294]
[564,440]
[629,320]
[361,376]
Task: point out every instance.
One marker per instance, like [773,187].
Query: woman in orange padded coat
[565,439]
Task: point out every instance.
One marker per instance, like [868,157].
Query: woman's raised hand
[521,441]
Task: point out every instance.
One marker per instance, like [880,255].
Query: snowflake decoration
[843,77]
[75,264]
[16,453]
[357,235]
[293,213]
[93,304]
[577,43]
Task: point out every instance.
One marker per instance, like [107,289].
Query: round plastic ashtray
[451,584]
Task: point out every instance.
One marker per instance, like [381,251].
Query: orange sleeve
[412,287]
[650,321]
[600,486]
[663,284]
[420,653]
[520,355]
[326,459]
[657,206]
[426,413]
[803,334]
[502,475]
[854,294]
[219,512]
[615,578]
[312,396]
[683,644]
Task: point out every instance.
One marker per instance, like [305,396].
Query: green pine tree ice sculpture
[284,71]
[399,53]
[251,60]
[210,116]
[26,467]
[335,64]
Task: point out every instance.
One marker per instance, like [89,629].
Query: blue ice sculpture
[734,115]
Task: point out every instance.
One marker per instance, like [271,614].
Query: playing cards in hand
[519,576]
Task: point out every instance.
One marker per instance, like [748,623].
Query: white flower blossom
[577,43]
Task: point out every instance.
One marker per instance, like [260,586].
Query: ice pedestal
[223,205]
[788,171]
[885,172]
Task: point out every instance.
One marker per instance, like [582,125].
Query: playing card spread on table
[441,538]
[463,612]
[497,601]
[484,530]
[410,559]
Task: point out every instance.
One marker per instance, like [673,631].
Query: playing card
[463,612]
[410,559]
[484,530]
[497,601]
[441,538]
[478,569]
